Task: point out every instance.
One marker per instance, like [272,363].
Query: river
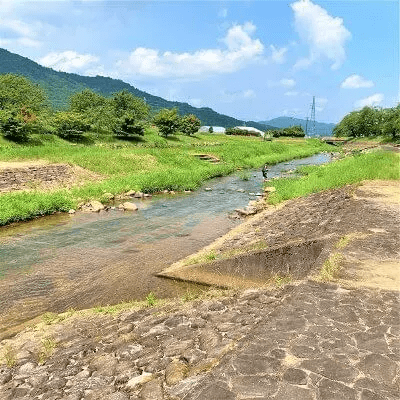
[78,261]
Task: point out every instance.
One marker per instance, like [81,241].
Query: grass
[282,280]
[48,346]
[202,258]
[346,239]
[152,165]
[151,299]
[331,268]
[350,170]
[10,356]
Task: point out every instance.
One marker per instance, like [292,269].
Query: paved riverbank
[305,340]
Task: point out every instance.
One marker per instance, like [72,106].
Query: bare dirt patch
[360,223]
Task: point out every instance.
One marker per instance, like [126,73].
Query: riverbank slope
[332,335]
[103,171]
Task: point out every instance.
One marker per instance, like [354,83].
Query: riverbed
[83,260]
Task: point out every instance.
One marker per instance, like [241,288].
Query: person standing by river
[265,171]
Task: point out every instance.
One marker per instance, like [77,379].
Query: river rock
[269,189]
[246,211]
[105,364]
[207,189]
[138,195]
[71,211]
[93,206]
[152,390]
[128,206]
[241,190]
[130,193]
[139,380]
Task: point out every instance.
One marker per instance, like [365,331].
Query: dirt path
[306,340]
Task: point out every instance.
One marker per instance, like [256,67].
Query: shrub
[240,132]
[127,127]
[210,129]
[70,126]
[293,131]
[189,124]
[13,127]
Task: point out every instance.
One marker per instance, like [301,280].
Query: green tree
[348,126]
[21,105]
[127,127]
[189,124]
[126,103]
[391,121]
[96,109]
[210,129]
[167,121]
[17,92]
[84,101]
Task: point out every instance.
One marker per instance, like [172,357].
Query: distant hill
[321,128]
[60,85]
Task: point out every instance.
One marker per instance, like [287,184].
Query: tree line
[370,122]
[25,110]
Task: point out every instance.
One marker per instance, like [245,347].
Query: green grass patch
[331,268]
[369,166]
[151,165]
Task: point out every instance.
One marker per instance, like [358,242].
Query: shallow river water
[83,260]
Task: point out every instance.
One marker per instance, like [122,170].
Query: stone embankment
[306,341]
[30,177]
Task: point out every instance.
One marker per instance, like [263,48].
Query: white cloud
[230,97]
[371,101]
[325,35]
[293,112]
[278,55]
[241,49]
[18,33]
[291,93]
[196,102]
[355,82]
[287,82]
[320,103]
[68,61]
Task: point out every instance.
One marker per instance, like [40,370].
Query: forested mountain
[60,85]
[321,128]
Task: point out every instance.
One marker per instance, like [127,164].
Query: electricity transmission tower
[312,121]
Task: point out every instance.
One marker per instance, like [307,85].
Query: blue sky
[249,59]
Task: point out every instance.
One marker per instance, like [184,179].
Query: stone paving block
[379,368]
[287,391]
[295,376]
[254,385]
[253,364]
[331,390]
[215,391]
[331,369]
